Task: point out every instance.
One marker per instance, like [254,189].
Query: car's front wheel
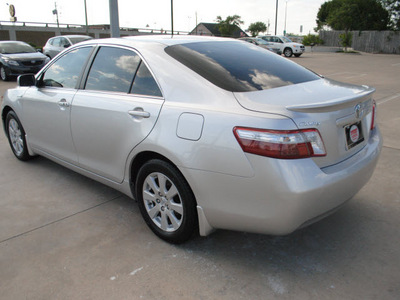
[3,74]
[16,136]
[166,201]
[288,52]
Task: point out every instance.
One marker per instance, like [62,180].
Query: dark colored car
[18,58]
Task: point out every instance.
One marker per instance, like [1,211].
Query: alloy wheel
[16,138]
[163,202]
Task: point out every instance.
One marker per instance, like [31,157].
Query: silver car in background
[205,133]
[57,44]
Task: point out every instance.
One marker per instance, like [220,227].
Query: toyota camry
[205,133]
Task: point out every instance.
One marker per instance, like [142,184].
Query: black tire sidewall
[24,155]
[189,224]
[291,52]
[6,77]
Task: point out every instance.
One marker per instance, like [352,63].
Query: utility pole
[284,31]
[55,12]
[87,29]
[196,23]
[276,16]
[172,17]
[114,20]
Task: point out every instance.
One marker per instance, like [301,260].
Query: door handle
[63,103]
[138,112]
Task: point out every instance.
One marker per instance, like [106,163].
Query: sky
[157,13]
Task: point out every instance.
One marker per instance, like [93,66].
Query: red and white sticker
[354,133]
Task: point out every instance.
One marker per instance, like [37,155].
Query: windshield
[75,40]
[239,67]
[12,48]
[285,39]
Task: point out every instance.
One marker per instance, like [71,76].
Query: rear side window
[239,67]
[113,70]
[56,42]
[144,83]
[121,70]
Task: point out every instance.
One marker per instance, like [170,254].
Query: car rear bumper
[284,195]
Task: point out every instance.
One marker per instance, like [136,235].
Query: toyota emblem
[358,111]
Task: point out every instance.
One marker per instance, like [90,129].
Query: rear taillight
[373,114]
[284,144]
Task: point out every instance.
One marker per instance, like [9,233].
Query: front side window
[239,67]
[113,70]
[66,70]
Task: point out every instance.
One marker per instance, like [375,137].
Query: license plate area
[354,135]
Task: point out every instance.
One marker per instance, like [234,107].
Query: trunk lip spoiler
[362,96]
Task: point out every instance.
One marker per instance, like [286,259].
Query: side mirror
[66,45]
[26,80]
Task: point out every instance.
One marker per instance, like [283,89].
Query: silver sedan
[205,133]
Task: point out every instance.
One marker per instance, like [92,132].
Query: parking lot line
[387,99]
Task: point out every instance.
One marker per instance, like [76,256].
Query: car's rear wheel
[3,74]
[166,201]
[16,136]
[288,52]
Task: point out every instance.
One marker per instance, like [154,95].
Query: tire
[16,137]
[288,52]
[166,201]
[297,55]
[3,74]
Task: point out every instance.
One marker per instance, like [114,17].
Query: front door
[47,108]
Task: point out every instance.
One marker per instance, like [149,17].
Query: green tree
[256,28]
[229,25]
[353,15]
[393,7]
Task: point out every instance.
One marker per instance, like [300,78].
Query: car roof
[71,36]
[166,40]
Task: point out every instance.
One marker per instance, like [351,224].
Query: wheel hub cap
[162,202]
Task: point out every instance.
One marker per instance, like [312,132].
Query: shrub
[311,40]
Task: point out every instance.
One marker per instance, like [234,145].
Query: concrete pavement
[63,236]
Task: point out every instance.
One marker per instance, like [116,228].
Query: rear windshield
[239,66]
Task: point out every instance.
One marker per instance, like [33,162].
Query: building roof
[213,29]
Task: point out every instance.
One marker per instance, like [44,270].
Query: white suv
[285,45]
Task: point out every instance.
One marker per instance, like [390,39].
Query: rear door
[115,111]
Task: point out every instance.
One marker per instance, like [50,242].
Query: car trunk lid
[341,112]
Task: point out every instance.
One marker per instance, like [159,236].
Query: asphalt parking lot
[63,236]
